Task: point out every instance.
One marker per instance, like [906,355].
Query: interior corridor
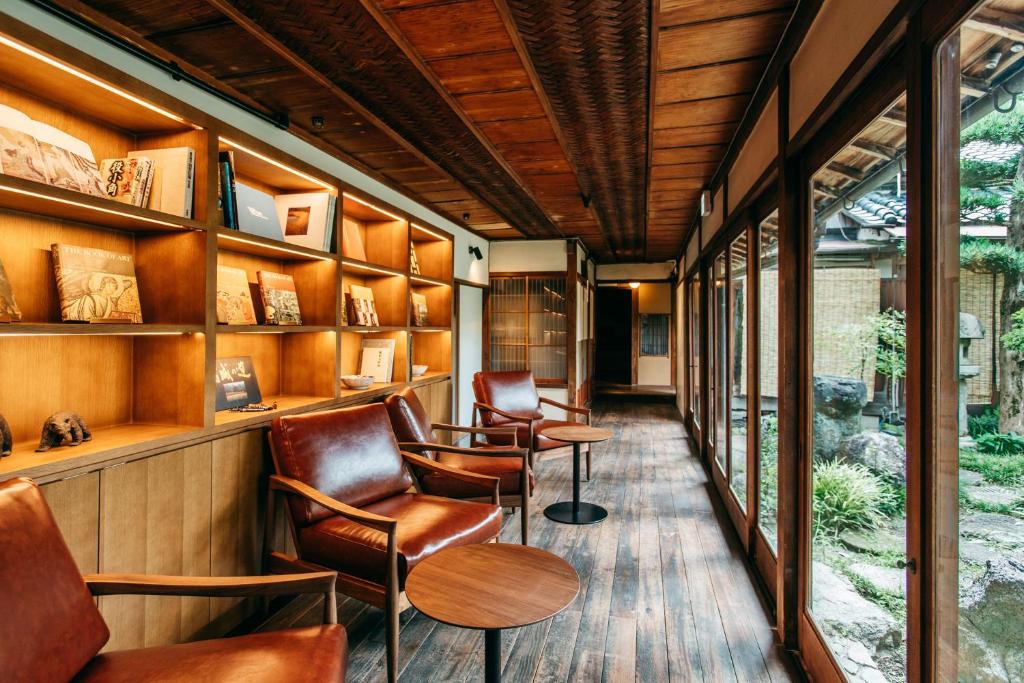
[665,593]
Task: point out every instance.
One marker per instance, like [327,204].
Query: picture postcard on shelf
[378,358]
[9,311]
[234,299]
[307,218]
[279,298]
[236,383]
[419,310]
[173,182]
[95,285]
[257,213]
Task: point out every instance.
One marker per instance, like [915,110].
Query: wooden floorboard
[665,592]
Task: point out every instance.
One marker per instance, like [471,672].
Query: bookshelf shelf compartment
[233,240]
[433,349]
[434,250]
[374,236]
[390,293]
[285,406]
[315,286]
[351,355]
[269,174]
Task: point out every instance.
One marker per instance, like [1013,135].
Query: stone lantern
[970,329]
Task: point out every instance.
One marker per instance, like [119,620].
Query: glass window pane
[989,584]
[858,476]
[768,371]
[721,322]
[738,369]
[695,366]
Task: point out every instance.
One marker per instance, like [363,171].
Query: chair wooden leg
[392,637]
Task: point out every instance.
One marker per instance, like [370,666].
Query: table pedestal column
[492,655]
[575,512]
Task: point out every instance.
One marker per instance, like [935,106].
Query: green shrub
[986,423]
[1000,444]
[846,497]
[769,466]
[981,255]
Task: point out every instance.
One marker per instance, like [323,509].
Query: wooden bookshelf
[150,387]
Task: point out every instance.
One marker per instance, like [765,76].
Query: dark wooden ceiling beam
[410,52]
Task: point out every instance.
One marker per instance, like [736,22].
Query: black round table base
[563,512]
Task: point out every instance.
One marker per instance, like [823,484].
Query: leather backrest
[514,392]
[349,454]
[49,625]
[409,418]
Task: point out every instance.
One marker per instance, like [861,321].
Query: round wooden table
[575,512]
[492,586]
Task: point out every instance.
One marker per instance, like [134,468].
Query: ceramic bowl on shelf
[357,381]
[419,370]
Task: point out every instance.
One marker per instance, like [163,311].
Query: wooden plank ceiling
[537,118]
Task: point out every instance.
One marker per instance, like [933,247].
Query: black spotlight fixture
[465,216]
[477,254]
[586,200]
[318,122]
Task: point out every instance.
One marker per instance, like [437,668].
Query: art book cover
[414,263]
[69,161]
[378,358]
[236,383]
[95,285]
[19,152]
[9,311]
[127,180]
[362,310]
[257,213]
[306,218]
[234,300]
[419,310]
[279,298]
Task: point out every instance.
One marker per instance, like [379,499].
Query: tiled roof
[995,152]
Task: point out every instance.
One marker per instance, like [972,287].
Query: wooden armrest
[492,409]
[289,485]
[210,586]
[483,481]
[565,406]
[495,431]
[496,451]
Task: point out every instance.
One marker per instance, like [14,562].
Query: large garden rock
[1000,530]
[838,402]
[993,606]
[839,609]
[881,453]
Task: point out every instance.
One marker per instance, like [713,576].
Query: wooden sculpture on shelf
[6,439]
[63,429]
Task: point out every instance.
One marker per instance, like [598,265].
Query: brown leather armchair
[510,464]
[510,399]
[352,507]
[51,629]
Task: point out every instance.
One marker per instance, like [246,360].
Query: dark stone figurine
[6,440]
[63,429]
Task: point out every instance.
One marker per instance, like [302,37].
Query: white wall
[470,323]
[465,266]
[535,256]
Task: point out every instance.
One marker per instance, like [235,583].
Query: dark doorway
[614,336]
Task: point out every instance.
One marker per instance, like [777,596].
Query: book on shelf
[236,382]
[378,359]
[352,240]
[414,264]
[257,213]
[279,298]
[361,309]
[35,151]
[95,285]
[419,310]
[9,311]
[173,182]
[234,299]
[127,180]
[308,218]
[226,185]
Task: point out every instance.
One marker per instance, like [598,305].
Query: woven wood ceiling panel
[592,57]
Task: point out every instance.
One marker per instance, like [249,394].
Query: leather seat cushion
[507,470]
[426,524]
[318,653]
[540,442]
